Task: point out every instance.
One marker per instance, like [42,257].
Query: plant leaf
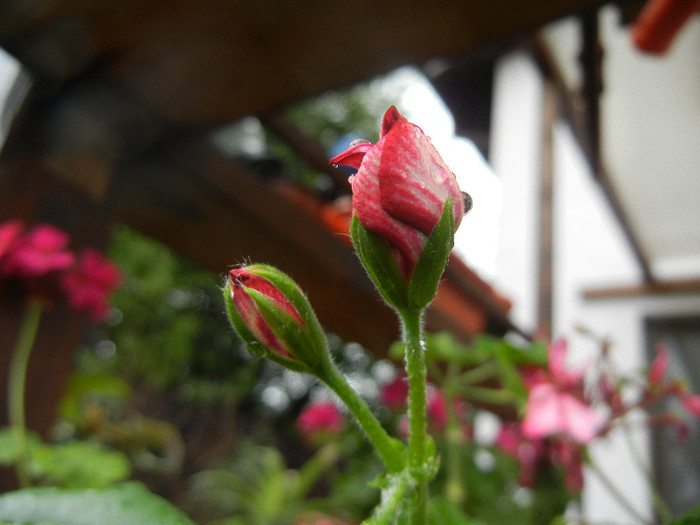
[128,503]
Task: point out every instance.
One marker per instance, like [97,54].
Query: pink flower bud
[551,412]
[401,187]
[242,280]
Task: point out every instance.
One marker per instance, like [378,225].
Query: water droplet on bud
[359,142]
[468,202]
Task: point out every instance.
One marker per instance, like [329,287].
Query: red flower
[9,231]
[401,187]
[41,250]
[90,282]
[242,278]
[320,420]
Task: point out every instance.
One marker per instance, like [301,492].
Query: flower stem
[386,447]
[412,323]
[455,489]
[16,385]
[614,491]
[657,499]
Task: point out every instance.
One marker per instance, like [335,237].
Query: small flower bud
[274,318]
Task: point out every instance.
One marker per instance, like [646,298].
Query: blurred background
[187,137]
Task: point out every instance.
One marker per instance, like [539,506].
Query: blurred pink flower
[556,405]
[436,409]
[528,452]
[90,282]
[658,367]
[568,456]
[320,420]
[41,250]
[691,402]
[551,411]
[9,231]
[395,393]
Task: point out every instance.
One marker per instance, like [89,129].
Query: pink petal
[551,412]
[352,156]
[691,402]
[658,367]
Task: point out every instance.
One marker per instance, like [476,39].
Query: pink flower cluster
[556,402]
[562,416]
[534,453]
[40,261]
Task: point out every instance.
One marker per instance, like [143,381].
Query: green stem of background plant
[16,385]
[385,445]
[412,324]
[657,499]
[616,493]
[455,489]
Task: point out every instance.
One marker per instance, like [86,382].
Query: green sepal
[297,299]
[432,261]
[380,264]
[306,342]
[294,336]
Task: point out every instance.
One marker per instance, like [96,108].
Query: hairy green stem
[16,385]
[386,447]
[412,324]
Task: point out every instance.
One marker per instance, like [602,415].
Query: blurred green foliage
[167,329]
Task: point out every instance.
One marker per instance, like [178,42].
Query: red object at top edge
[659,23]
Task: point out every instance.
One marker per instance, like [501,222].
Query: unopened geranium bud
[274,318]
[407,199]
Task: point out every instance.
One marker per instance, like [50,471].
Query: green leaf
[442,511]
[380,264]
[78,465]
[128,503]
[432,261]
[8,447]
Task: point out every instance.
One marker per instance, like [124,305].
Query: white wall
[589,251]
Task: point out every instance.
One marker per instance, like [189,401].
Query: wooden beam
[584,126]
[545,254]
[675,287]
